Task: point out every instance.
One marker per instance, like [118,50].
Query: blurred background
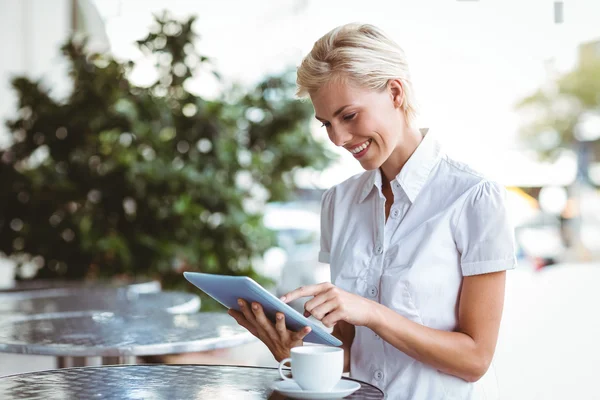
[145,138]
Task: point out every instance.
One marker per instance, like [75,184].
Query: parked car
[539,241]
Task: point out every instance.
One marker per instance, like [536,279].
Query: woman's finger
[247,312]
[323,309]
[263,322]
[319,300]
[281,328]
[301,334]
[241,320]
[310,290]
[262,334]
[333,317]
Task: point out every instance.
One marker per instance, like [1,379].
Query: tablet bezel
[216,286]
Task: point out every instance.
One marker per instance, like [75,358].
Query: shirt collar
[414,173]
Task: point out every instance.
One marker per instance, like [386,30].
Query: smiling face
[369,124]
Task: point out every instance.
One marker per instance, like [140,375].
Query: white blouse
[446,222]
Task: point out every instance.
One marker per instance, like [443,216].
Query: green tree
[149,181]
[554,113]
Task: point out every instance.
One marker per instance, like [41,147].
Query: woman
[418,245]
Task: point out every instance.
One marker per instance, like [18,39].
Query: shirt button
[379,249]
[396,185]
[372,291]
[395,213]
[378,375]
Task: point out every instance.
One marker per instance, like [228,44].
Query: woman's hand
[332,304]
[276,336]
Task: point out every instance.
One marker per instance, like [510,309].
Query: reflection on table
[155,382]
[118,338]
[118,301]
[49,286]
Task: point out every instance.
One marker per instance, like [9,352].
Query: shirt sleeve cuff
[324,257]
[486,267]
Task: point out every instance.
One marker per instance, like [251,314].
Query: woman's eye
[325,124]
[349,117]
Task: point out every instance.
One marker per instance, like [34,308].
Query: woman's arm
[345,332]
[465,353]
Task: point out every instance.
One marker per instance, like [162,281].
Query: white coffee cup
[316,368]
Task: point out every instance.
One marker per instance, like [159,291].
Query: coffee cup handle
[285,378]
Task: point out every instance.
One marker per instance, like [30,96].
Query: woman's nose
[339,136]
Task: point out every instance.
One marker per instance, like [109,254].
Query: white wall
[31,33]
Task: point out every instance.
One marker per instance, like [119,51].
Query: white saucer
[291,389]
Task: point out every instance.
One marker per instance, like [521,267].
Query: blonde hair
[364,55]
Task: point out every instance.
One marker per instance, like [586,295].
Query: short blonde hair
[362,53]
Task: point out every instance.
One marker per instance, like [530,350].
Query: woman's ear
[396,92]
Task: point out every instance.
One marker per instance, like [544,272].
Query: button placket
[373,291]
[378,375]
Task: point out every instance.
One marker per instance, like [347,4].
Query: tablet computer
[228,289]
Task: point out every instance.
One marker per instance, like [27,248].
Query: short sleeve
[484,234]
[326,225]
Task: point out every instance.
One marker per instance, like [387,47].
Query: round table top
[112,300]
[43,287]
[106,334]
[157,382]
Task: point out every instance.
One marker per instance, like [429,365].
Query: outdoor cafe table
[157,382]
[43,287]
[27,303]
[101,338]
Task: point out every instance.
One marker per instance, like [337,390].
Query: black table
[154,382]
